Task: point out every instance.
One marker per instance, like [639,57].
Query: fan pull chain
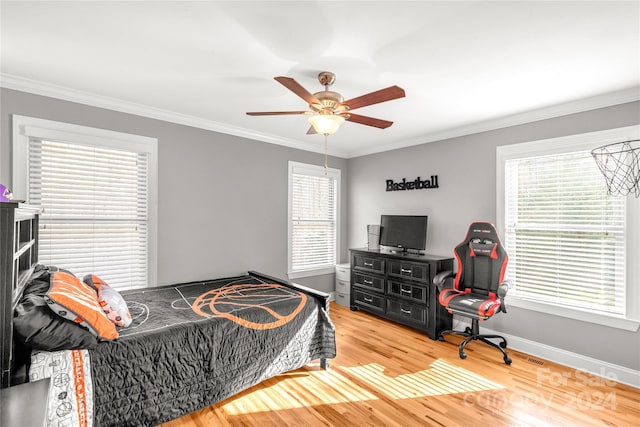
[325,154]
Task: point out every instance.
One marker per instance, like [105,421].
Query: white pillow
[112,303]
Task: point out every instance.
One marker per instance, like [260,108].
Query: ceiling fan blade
[382,95]
[369,121]
[276,113]
[311,131]
[296,88]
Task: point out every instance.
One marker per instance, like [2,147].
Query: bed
[189,345]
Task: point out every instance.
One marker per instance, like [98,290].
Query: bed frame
[18,257]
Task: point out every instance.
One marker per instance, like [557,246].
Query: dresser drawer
[371,301]
[370,264]
[343,272]
[409,270]
[342,299]
[343,287]
[407,312]
[370,282]
[414,293]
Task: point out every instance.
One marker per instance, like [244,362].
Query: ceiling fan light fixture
[326,124]
[329,109]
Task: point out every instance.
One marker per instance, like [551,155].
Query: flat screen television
[403,232]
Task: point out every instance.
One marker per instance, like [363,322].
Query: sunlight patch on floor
[297,390]
[527,419]
[441,378]
[310,388]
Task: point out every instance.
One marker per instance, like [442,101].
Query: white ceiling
[465,66]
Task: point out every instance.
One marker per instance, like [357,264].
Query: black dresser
[399,287]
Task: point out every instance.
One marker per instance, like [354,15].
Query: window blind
[95,209]
[313,221]
[564,235]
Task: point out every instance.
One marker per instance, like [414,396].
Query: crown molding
[87,98]
[592,103]
[36,87]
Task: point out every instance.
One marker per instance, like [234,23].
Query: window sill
[308,273]
[570,313]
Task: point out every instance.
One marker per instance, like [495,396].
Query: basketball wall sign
[416,184]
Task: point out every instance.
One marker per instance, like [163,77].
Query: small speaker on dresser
[373,237]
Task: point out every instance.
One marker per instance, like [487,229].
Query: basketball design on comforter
[232,302]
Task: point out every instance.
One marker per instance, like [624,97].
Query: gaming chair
[479,288]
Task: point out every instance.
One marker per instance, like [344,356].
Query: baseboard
[596,367]
[332,296]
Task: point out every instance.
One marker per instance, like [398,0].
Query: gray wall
[222,200]
[466,168]
[222,203]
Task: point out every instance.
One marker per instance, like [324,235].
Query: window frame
[312,170]
[25,128]
[566,144]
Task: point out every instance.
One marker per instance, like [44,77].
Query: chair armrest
[440,278]
[502,292]
[503,289]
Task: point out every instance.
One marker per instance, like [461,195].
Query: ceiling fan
[329,110]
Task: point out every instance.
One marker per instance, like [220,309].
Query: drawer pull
[405,311]
[367,282]
[369,300]
[403,270]
[368,264]
[405,291]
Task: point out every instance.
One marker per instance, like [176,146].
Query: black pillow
[39,328]
[483,248]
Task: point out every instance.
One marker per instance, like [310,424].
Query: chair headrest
[485,231]
[482,259]
[486,247]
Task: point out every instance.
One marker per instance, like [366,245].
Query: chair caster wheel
[503,344]
[507,360]
[467,330]
[440,338]
[463,356]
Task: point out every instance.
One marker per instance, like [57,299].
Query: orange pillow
[74,300]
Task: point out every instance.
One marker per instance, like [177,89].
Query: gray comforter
[195,344]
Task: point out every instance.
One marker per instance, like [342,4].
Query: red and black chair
[479,287]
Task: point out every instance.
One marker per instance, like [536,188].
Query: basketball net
[620,165]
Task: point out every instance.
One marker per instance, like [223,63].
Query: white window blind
[564,235]
[97,189]
[95,209]
[313,216]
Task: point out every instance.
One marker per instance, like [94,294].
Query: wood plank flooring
[389,375]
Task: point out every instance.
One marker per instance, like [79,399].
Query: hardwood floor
[389,375]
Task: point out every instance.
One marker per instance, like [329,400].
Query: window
[96,189]
[313,219]
[570,244]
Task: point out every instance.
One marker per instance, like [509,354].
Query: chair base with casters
[473,334]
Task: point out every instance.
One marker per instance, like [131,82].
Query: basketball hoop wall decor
[620,165]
